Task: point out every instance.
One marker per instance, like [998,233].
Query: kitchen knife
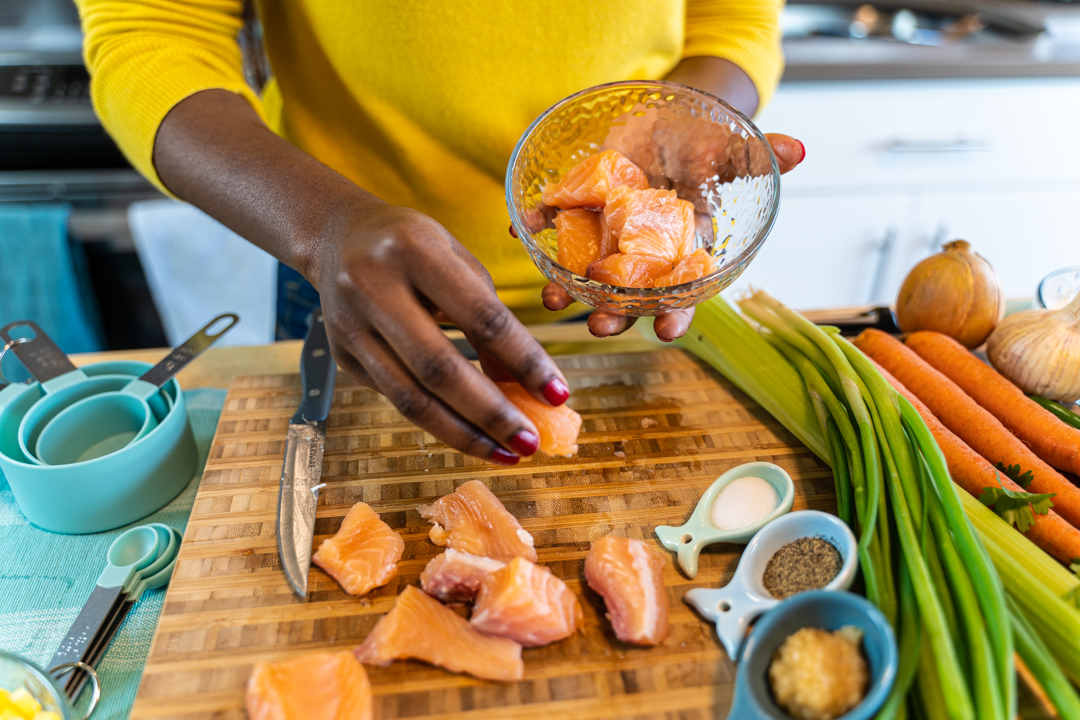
[302,472]
[852,322]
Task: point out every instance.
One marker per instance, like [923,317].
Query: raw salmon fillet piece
[651,222]
[364,553]
[528,604]
[314,686]
[558,426]
[696,265]
[636,271]
[630,577]
[422,628]
[581,239]
[471,519]
[456,576]
[588,183]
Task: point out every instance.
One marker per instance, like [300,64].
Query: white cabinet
[895,168]
[810,261]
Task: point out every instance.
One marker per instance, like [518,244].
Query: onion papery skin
[955,292]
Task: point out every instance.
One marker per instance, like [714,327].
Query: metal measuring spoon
[734,606]
[132,551]
[153,576]
[104,423]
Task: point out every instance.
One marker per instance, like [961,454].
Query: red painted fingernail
[525,443]
[503,457]
[800,159]
[556,391]
[513,232]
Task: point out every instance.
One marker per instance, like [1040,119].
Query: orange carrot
[965,417]
[1057,443]
[971,471]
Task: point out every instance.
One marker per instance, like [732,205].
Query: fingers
[673,325]
[789,151]
[555,298]
[604,324]
[369,357]
[490,327]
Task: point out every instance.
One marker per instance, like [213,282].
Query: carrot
[971,471]
[1055,442]
[983,432]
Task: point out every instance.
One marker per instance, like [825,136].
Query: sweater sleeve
[745,32]
[145,56]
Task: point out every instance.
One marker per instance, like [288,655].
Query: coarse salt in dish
[743,502]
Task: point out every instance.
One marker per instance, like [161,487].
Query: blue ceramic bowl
[823,609]
[106,492]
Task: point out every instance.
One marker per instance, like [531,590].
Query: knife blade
[301,475]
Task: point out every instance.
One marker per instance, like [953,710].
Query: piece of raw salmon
[422,628]
[528,604]
[313,686]
[558,426]
[471,519]
[588,183]
[630,577]
[581,239]
[651,222]
[696,265]
[636,271]
[364,553]
[455,576]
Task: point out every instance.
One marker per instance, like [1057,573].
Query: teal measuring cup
[104,422]
[111,491]
[59,383]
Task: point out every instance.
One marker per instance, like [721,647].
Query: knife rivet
[315,392]
[319,352]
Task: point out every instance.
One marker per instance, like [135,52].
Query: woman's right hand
[386,278]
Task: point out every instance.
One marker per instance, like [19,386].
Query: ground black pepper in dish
[808,563]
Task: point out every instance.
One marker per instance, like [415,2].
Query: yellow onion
[955,292]
[1039,351]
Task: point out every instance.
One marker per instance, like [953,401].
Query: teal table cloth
[45,578]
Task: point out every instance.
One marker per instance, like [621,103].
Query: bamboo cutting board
[659,428]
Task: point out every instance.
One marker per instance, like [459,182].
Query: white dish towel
[197,269]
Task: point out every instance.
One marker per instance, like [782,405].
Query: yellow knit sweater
[417,101]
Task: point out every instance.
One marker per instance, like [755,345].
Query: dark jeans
[296,299]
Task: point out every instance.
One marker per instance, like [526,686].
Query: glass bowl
[684,139]
[16,672]
[1058,288]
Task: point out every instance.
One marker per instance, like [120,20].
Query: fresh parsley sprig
[1016,508]
[1013,472]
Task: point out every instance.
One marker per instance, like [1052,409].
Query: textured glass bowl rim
[748,252]
[45,679]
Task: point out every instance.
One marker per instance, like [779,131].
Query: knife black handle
[318,372]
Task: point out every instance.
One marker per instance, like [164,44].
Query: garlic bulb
[955,292]
[1039,351]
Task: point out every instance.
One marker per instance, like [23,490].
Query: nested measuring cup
[93,424]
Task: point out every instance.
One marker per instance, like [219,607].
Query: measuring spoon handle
[179,358]
[41,356]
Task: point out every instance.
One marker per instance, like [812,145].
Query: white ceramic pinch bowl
[733,607]
[687,540]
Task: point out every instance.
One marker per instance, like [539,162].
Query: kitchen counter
[218,366]
[1054,53]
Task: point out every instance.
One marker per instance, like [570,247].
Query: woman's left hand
[789,153]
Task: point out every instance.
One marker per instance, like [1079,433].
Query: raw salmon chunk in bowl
[658,163]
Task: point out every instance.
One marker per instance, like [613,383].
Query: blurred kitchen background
[924,121]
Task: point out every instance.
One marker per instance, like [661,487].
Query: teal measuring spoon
[687,540]
[102,424]
[134,550]
[155,575]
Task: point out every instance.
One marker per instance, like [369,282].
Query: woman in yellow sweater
[373,163]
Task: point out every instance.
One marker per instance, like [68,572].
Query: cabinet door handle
[883,251]
[937,145]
